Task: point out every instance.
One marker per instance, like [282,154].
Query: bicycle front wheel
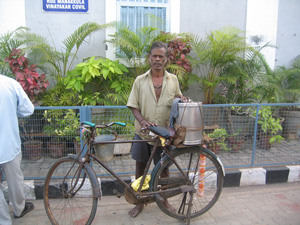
[203,186]
[71,192]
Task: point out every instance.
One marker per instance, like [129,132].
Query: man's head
[158,55]
[159,44]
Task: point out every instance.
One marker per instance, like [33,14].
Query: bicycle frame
[138,194]
[176,179]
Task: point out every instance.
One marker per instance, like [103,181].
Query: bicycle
[194,184]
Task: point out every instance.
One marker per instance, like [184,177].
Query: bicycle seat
[162,131]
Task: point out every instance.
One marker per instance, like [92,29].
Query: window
[137,13]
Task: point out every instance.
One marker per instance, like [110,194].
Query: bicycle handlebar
[93,125]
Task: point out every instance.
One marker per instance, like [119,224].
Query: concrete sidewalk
[265,204]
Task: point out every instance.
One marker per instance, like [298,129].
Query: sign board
[65,5]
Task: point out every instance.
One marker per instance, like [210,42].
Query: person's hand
[183,98]
[146,124]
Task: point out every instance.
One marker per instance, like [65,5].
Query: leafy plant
[59,96]
[219,137]
[32,83]
[269,124]
[62,125]
[91,75]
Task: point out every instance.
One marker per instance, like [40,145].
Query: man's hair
[159,44]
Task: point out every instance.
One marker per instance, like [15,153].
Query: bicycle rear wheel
[204,185]
[71,192]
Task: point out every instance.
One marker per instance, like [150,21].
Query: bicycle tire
[67,201]
[212,178]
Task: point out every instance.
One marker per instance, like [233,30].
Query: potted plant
[235,142]
[55,123]
[218,137]
[269,127]
[291,87]
[32,147]
[70,130]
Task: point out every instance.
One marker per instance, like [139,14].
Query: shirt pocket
[168,101]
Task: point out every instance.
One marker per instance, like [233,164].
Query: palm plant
[291,81]
[9,41]
[242,77]
[219,50]
[38,49]
[133,46]
[60,62]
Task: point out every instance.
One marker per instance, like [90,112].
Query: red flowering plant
[178,52]
[33,83]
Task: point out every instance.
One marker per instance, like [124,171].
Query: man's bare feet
[136,210]
[169,207]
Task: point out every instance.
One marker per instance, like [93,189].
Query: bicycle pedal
[117,194]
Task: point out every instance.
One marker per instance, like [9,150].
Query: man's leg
[164,173]
[4,211]
[140,168]
[140,152]
[15,182]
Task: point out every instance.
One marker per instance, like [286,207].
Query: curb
[262,176]
[33,189]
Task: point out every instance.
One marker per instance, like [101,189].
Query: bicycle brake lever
[110,124]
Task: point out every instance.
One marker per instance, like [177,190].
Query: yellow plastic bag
[136,184]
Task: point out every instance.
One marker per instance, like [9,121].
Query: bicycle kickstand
[188,214]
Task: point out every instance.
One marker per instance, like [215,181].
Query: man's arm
[138,116]
[24,105]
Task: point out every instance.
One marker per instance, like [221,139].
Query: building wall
[12,15]
[202,16]
[288,32]
[196,16]
[57,26]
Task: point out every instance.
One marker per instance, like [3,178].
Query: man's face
[158,58]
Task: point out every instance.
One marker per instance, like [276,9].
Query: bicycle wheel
[204,183]
[71,192]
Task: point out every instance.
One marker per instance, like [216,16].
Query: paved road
[266,204]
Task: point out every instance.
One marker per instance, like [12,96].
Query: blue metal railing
[252,153]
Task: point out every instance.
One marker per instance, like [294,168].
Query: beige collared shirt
[143,98]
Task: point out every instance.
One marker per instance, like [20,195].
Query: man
[150,101]
[13,103]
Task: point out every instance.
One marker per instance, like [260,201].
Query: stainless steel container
[105,151]
[191,117]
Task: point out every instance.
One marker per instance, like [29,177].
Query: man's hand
[146,124]
[183,98]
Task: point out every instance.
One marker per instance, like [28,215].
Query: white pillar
[261,26]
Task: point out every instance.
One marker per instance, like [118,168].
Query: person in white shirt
[14,103]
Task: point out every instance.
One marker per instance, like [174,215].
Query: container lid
[190,104]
